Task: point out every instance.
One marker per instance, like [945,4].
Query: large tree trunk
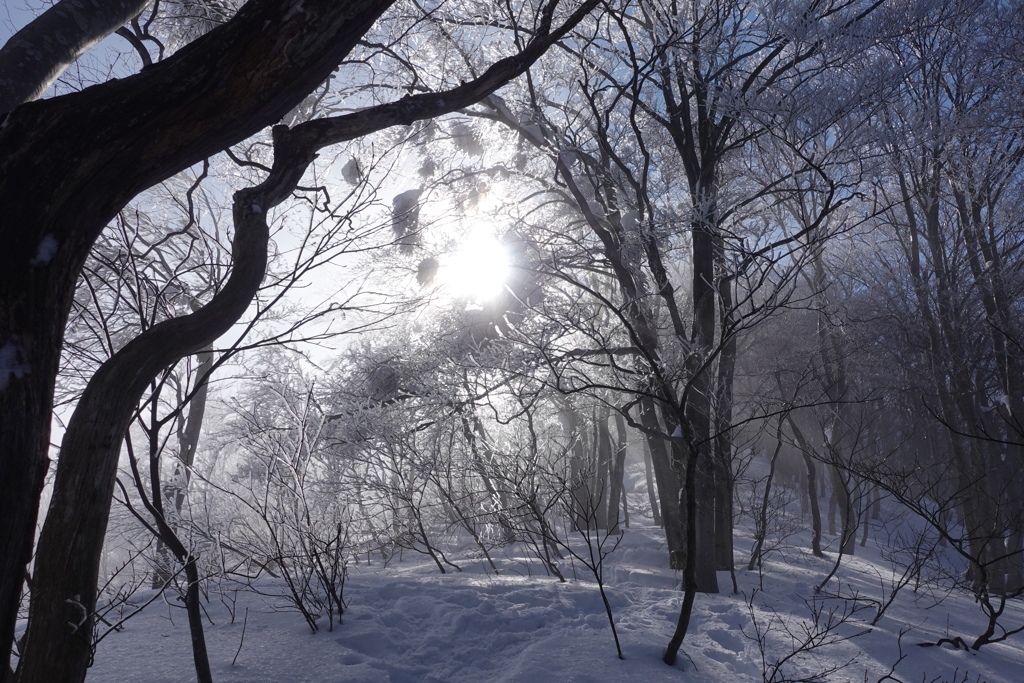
[69,164]
[68,554]
[698,405]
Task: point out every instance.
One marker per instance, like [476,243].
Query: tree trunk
[723,477]
[812,486]
[651,493]
[847,515]
[571,423]
[698,409]
[69,164]
[707,564]
[669,485]
[761,521]
[68,553]
[616,490]
[599,490]
[690,586]
[195,623]
[723,441]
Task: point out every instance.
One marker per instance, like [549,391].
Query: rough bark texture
[699,410]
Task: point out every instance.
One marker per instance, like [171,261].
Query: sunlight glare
[478,270]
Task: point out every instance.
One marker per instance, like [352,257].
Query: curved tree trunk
[125,136]
[69,549]
[69,164]
[246,82]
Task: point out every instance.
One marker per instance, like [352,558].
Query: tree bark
[812,486]
[616,490]
[690,586]
[69,164]
[724,559]
[698,402]
[669,483]
[652,495]
[70,545]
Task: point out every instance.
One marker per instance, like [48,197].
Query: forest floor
[407,623]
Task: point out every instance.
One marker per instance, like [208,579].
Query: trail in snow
[407,624]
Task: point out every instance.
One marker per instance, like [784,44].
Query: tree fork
[69,164]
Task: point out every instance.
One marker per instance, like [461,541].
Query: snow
[11,364]
[407,623]
[46,251]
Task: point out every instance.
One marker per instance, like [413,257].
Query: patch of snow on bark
[46,251]
[11,364]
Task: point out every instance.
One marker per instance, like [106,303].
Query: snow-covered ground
[408,623]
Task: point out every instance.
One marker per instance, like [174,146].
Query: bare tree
[137,132]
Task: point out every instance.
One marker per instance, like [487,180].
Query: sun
[479,268]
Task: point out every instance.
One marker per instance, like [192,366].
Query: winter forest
[524,341]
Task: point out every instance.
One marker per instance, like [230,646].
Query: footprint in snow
[727,639]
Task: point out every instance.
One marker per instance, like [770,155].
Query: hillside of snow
[407,623]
